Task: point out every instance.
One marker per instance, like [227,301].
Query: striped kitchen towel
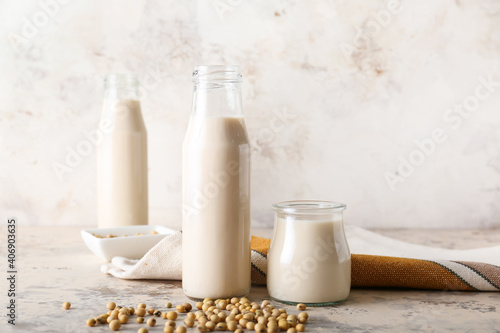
[378,261]
[394,272]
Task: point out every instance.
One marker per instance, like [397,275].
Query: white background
[359,81]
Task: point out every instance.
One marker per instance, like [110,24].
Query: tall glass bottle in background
[122,161]
[216,188]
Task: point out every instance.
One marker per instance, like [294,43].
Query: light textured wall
[336,93]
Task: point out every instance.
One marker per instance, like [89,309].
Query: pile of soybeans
[235,314]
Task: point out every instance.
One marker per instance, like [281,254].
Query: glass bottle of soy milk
[216,188]
[122,161]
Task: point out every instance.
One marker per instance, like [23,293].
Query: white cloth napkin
[362,241]
[164,261]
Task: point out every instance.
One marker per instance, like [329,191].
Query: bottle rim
[217,74]
[121,79]
[309,206]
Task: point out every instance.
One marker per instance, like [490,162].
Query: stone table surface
[55,266]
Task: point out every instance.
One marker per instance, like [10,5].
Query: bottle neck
[121,87]
[217,91]
[121,104]
[217,100]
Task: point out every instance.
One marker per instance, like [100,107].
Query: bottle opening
[121,80]
[217,74]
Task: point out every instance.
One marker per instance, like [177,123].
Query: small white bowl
[131,247]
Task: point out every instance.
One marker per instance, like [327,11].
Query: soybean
[221,326]
[124,311]
[189,322]
[172,315]
[283,324]
[123,318]
[215,319]
[151,322]
[210,325]
[260,328]
[232,325]
[300,328]
[115,325]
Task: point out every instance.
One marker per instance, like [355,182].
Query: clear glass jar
[122,155]
[309,260]
[216,188]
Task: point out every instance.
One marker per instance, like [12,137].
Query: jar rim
[217,73]
[309,206]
